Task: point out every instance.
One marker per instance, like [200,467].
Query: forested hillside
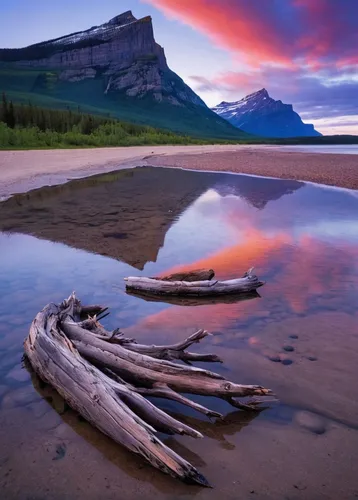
[29,126]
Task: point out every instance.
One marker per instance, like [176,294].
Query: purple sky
[303,52]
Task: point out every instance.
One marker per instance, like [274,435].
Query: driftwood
[162,286]
[105,376]
[195,275]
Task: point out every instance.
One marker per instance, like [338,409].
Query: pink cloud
[286,32]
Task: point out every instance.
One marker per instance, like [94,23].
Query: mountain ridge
[116,66]
[259,114]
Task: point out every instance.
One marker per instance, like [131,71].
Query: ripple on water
[19,374]
[10,359]
[20,397]
[311,422]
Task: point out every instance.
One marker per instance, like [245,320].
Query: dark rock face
[259,114]
[123,51]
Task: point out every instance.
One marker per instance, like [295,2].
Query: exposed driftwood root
[105,376]
[208,287]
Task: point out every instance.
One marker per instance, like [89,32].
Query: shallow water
[89,234]
[346,149]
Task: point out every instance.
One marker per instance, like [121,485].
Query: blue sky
[303,51]
[23,22]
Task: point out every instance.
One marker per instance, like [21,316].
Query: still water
[299,337]
[345,149]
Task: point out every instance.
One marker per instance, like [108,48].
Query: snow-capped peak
[252,101]
[258,113]
[262,94]
[103,32]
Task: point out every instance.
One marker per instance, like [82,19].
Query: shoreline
[25,170]
[327,186]
[58,239]
[326,169]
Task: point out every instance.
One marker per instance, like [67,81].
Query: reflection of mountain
[125,215]
[257,191]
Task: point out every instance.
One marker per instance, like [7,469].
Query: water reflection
[124,215]
[299,337]
[194,301]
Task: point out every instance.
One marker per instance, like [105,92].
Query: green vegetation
[28,126]
[59,117]
[44,88]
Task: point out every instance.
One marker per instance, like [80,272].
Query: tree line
[21,115]
[30,126]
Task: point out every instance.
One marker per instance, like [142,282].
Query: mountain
[116,68]
[261,115]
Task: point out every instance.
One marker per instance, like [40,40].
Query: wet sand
[21,171]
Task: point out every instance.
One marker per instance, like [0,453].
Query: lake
[299,337]
[345,149]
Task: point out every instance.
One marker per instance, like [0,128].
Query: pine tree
[87,125]
[11,120]
[4,109]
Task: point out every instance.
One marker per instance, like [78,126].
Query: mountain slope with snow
[116,69]
[261,115]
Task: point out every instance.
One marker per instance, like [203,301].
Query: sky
[304,52]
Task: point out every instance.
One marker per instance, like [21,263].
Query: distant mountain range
[116,68]
[261,115]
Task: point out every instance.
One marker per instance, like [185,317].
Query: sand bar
[21,171]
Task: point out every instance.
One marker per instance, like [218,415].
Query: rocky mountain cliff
[261,115]
[117,66]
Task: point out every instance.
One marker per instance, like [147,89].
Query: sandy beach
[21,171]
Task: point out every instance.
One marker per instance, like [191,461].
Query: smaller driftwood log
[105,376]
[195,275]
[196,283]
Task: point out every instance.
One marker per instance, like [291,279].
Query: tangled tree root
[105,376]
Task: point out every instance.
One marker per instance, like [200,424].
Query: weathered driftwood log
[195,275]
[248,283]
[104,376]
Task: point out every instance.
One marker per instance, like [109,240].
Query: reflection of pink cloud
[234,261]
[306,275]
[301,277]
